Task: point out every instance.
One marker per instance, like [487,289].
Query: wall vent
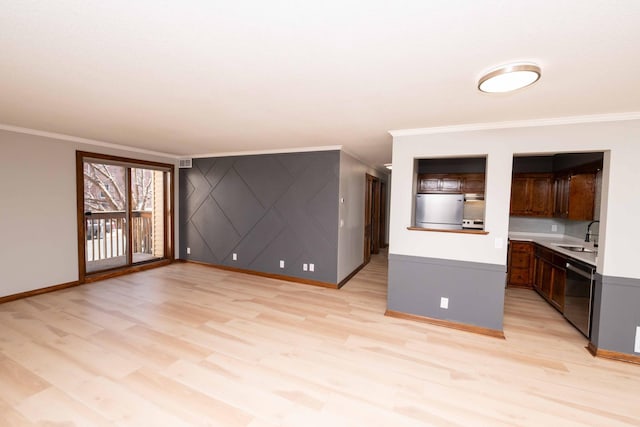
[185,163]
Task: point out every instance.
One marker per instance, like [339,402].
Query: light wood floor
[191,345]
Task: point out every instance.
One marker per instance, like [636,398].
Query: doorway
[374,217]
[124,211]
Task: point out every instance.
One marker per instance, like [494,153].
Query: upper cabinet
[472,183]
[438,183]
[570,196]
[574,196]
[531,195]
[558,186]
[451,183]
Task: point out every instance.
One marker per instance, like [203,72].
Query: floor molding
[267,275]
[89,279]
[612,355]
[446,323]
[34,292]
[350,276]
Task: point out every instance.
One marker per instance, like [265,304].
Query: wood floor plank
[188,344]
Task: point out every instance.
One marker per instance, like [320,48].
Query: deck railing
[106,234]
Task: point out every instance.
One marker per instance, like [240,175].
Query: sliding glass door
[105,216]
[147,214]
[125,213]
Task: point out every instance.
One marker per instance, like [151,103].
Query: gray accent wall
[475,290]
[616,313]
[264,208]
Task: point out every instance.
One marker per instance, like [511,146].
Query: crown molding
[271,151]
[80,140]
[614,117]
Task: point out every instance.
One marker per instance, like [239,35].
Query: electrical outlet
[312,267]
[304,267]
[281,263]
[188,251]
[234,257]
[444,303]
[636,348]
[554,227]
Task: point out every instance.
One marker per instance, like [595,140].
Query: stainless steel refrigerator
[439,211]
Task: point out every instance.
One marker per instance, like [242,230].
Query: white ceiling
[193,77]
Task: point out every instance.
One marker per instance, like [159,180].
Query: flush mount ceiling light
[387,165]
[509,77]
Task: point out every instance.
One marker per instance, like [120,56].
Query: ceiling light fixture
[387,165]
[509,78]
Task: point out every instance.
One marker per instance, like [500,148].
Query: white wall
[38,227]
[620,205]
[351,232]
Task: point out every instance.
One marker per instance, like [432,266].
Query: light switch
[498,243]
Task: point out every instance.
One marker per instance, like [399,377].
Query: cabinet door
[537,277]
[473,183]
[520,264]
[520,195]
[581,197]
[547,277]
[561,196]
[450,184]
[540,196]
[428,184]
[557,287]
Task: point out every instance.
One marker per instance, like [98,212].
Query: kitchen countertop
[551,241]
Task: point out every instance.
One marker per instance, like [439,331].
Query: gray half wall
[616,313]
[475,290]
[265,208]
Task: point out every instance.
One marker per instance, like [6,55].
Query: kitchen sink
[576,248]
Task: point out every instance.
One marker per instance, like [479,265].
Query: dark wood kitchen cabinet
[531,195]
[438,183]
[574,196]
[451,183]
[550,276]
[521,264]
[472,183]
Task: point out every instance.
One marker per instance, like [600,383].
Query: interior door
[368,209]
[372,220]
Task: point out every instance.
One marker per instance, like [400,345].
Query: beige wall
[351,228]
[38,227]
[620,206]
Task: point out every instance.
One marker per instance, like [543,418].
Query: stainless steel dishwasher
[578,295]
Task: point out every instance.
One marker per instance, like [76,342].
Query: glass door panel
[105,216]
[147,214]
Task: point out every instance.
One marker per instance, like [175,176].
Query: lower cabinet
[530,265]
[520,264]
[550,276]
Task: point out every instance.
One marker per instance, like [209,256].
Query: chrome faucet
[588,236]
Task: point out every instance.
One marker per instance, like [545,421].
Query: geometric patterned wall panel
[265,208]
